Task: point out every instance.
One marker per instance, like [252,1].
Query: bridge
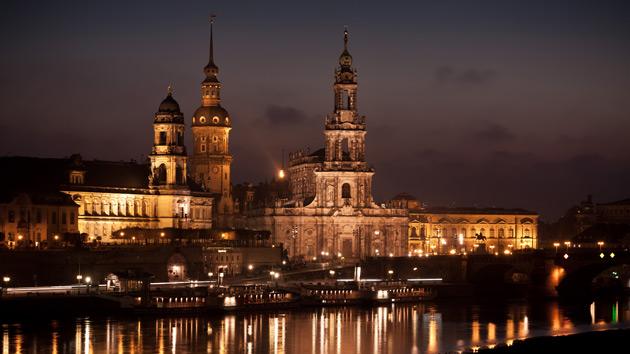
[546,273]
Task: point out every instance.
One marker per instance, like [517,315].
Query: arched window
[463,232]
[455,232]
[414,232]
[345,190]
[161,174]
[482,232]
[511,232]
[492,232]
[526,233]
[501,233]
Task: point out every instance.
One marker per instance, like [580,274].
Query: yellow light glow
[281,173]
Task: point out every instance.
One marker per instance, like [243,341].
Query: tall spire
[211,69]
[212,16]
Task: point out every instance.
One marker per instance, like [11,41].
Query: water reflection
[418,328]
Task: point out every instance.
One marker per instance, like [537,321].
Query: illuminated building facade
[330,210]
[27,219]
[465,230]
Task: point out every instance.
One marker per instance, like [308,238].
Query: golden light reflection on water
[386,329]
[492,332]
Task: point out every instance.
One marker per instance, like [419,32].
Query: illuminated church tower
[330,212]
[210,161]
[168,166]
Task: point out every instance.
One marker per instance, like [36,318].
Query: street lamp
[88,282]
[79,277]
[567,243]
[556,244]
[332,273]
[6,284]
[391,273]
[600,243]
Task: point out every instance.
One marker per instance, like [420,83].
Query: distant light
[281,173]
[566,256]
[612,255]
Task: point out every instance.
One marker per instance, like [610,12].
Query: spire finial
[212,16]
[169,90]
[345,37]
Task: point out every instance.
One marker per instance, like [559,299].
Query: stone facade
[466,230]
[330,212]
[30,219]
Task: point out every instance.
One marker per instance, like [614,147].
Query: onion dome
[169,105]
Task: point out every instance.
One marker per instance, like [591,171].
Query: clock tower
[210,161]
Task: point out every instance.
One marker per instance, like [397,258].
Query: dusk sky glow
[467,103]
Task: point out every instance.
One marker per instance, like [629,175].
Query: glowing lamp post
[79,277]
[390,273]
[332,273]
[88,282]
[567,243]
[6,284]
[600,243]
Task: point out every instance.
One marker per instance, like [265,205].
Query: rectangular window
[203,147]
[53,218]
[63,218]
[72,218]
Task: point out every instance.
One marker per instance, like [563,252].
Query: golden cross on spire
[169,90]
[212,16]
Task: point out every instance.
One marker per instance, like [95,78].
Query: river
[449,325]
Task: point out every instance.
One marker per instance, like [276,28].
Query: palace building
[436,230]
[330,211]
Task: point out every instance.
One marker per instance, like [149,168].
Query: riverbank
[609,341]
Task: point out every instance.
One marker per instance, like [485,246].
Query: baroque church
[330,211]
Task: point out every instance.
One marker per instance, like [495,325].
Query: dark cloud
[494,133]
[449,74]
[283,115]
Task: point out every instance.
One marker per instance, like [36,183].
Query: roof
[619,202]
[473,211]
[49,175]
[55,198]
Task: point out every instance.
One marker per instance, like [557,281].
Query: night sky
[467,103]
